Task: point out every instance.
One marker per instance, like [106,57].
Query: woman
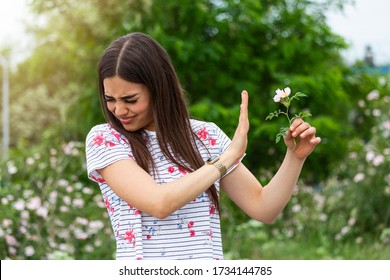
[160,172]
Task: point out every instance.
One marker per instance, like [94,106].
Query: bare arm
[265,204]
[141,191]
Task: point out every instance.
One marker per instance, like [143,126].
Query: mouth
[126,120]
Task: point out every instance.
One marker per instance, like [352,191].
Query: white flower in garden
[67,200]
[370,156]
[373,95]
[19,205]
[95,226]
[62,183]
[29,251]
[79,234]
[323,217]
[351,221]
[81,221]
[53,197]
[296,208]
[34,203]
[87,190]
[280,94]
[23,230]
[78,203]
[30,161]
[89,248]
[10,240]
[4,201]
[386,125]
[376,113]
[64,234]
[11,167]
[6,223]
[359,177]
[12,251]
[42,212]
[378,160]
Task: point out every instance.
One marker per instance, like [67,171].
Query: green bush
[49,209]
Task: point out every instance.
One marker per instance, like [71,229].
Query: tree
[218,48]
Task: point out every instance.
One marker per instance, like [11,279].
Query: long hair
[138,58]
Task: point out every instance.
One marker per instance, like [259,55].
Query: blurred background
[337,52]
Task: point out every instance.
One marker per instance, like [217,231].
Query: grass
[291,249]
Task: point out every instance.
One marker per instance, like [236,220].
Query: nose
[121,109]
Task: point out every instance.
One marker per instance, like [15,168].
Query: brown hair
[138,58]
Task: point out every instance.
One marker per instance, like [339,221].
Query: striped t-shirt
[192,232]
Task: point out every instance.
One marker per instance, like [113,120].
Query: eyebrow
[123,97]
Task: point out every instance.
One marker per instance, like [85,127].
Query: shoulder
[197,125]
[104,132]
[101,128]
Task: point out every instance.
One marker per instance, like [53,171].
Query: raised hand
[240,138]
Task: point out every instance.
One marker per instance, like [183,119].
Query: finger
[297,122]
[244,104]
[243,121]
[298,130]
[315,141]
[309,132]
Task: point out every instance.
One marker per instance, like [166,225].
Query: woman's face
[130,103]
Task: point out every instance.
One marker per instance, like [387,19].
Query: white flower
[42,211]
[296,208]
[376,113]
[280,94]
[359,177]
[11,241]
[378,160]
[19,205]
[34,203]
[373,95]
[370,156]
[78,203]
[29,251]
[30,161]
[6,223]
[11,168]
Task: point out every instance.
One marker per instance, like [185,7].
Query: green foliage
[49,209]
[218,49]
[344,217]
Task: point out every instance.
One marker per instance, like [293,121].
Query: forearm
[278,191]
[178,193]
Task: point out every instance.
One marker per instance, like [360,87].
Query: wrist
[217,162]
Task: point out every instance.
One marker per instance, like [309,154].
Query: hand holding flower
[283,96]
[299,136]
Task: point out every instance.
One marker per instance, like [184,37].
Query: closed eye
[130,101]
[108,99]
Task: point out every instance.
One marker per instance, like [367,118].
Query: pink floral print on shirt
[203,133]
[99,140]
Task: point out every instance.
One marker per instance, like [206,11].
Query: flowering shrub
[350,207]
[283,96]
[49,209]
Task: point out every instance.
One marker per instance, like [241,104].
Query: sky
[365,23]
